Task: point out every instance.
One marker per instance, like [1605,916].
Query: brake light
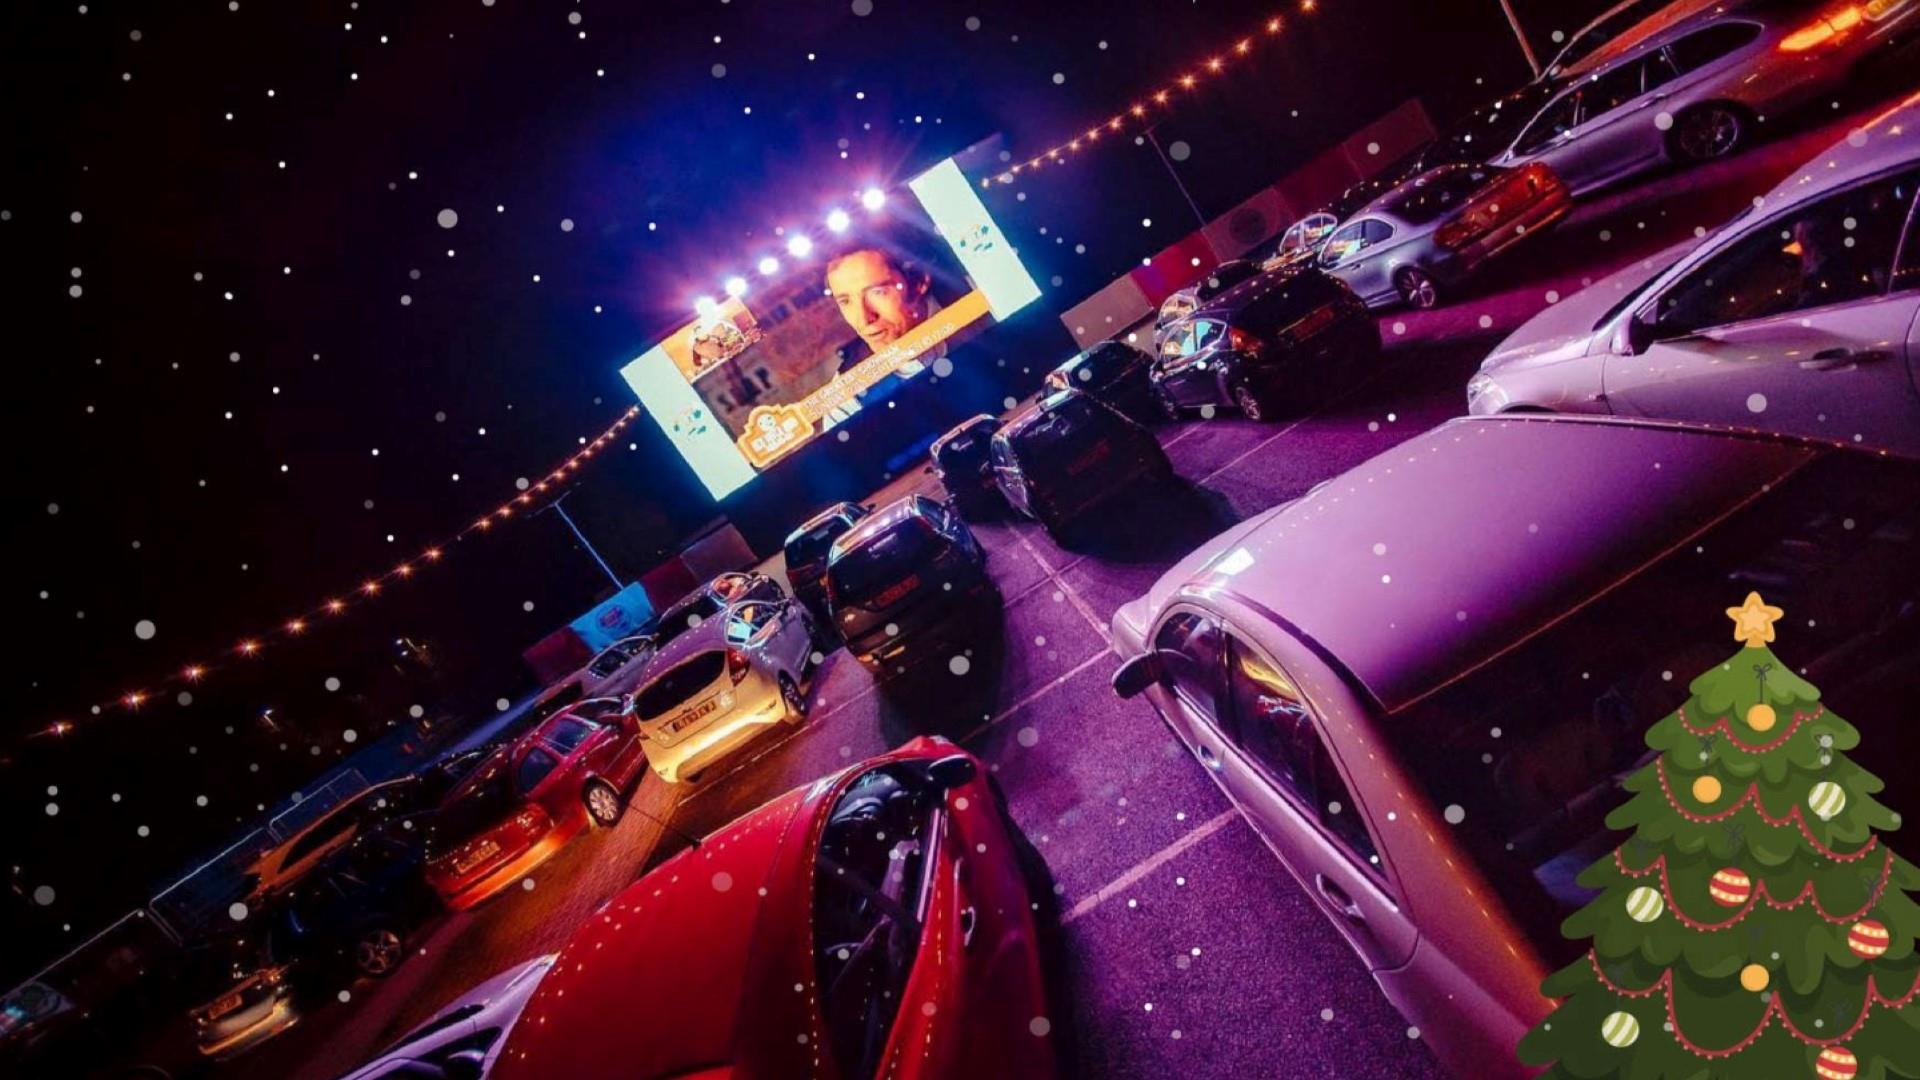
[1240,341]
[1823,29]
[736,665]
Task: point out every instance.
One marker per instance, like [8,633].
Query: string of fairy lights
[1153,104]
[522,504]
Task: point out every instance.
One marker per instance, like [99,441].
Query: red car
[533,795]
[875,923]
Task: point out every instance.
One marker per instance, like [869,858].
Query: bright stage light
[799,246]
[706,307]
[769,265]
[837,220]
[873,198]
[736,286]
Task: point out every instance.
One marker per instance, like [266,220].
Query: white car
[614,670]
[1799,317]
[722,683]
[463,1039]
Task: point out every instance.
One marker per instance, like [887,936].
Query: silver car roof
[711,634]
[1886,141]
[1436,557]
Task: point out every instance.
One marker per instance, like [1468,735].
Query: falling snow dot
[1040,1025]
[237,911]
[863,8]
[1326,1014]
[501,704]
[43,895]
[1455,814]
[959,665]
[1059,78]
[416,711]
[144,630]
[349,735]
[566,224]
[1663,120]
[973,22]
[1178,150]
[143,831]
[527,884]
[1379,549]
[448,218]
[53,809]
[719,71]
[1028,737]
[722,881]
[1756,403]
[332,683]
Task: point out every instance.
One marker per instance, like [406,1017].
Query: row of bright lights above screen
[799,245]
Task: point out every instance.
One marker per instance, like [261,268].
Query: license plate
[224,1006]
[686,719]
[1313,323]
[487,850]
[1880,9]
[895,592]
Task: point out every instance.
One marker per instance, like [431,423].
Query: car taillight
[1824,29]
[736,665]
[1458,233]
[1240,341]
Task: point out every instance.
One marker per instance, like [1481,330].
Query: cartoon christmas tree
[1755,925]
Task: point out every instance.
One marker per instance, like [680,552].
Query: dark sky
[251,367]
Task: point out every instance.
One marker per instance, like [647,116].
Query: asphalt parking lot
[1191,951]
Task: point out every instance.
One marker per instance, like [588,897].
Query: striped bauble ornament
[1826,800]
[1645,904]
[1836,1063]
[1730,887]
[1620,1029]
[1868,939]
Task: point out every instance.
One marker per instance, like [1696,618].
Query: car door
[1278,769]
[1190,376]
[1614,134]
[1798,325]
[1007,475]
[1355,254]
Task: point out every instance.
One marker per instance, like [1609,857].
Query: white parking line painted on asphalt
[1138,871]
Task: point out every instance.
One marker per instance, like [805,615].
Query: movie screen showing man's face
[848,316]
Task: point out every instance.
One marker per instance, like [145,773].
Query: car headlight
[1485,395]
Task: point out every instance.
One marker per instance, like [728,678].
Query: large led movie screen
[848,311]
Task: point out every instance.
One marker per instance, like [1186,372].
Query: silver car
[1424,683]
[1696,90]
[1798,317]
[1428,235]
[722,683]
[617,665]
[464,1039]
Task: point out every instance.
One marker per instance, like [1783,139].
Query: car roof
[666,978]
[1435,557]
[877,523]
[1260,289]
[1032,414]
[710,634]
[1884,142]
[837,511]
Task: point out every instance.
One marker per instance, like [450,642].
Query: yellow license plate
[224,1006]
[477,856]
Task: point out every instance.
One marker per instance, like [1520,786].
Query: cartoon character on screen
[883,297]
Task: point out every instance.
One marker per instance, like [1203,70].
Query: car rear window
[1439,193]
[811,547]
[1281,307]
[1533,747]
[680,682]
[686,615]
[1063,431]
[883,560]
[1704,46]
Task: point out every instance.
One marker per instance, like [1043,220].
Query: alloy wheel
[1709,133]
[1418,289]
[377,952]
[603,804]
[1249,403]
[795,701]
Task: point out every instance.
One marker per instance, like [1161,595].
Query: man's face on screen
[879,302]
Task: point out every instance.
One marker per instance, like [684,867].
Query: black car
[1267,348]
[355,913]
[806,552]
[1176,308]
[1113,372]
[908,582]
[960,463]
[1068,455]
[711,599]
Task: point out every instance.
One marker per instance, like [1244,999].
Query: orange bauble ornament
[1761,717]
[1706,790]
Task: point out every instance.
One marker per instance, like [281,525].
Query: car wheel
[1707,133]
[603,803]
[377,951]
[793,699]
[1169,408]
[1250,404]
[1417,287]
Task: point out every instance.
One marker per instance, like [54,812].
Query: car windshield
[679,683]
[1440,192]
[567,733]
[868,907]
[886,559]
[686,615]
[810,547]
[1533,747]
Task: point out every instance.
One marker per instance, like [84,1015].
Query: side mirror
[1633,337]
[465,1065]
[953,771]
[1136,675]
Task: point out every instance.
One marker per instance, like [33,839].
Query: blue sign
[622,615]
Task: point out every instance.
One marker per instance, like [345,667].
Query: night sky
[253,365]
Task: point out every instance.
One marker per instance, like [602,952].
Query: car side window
[1704,46]
[319,836]
[748,619]
[1554,121]
[1192,648]
[533,768]
[1610,91]
[1658,70]
[1374,231]
[567,733]
[1839,249]
[1345,242]
[1205,331]
[1273,725]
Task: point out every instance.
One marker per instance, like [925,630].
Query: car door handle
[1338,898]
[1207,757]
[1842,358]
[969,919]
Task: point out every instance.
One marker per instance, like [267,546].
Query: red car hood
[665,980]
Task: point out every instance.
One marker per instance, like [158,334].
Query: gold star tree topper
[1753,621]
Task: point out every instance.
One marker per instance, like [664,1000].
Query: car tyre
[1417,288]
[1708,132]
[794,700]
[377,950]
[1169,409]
[603,803]
[1251,404]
